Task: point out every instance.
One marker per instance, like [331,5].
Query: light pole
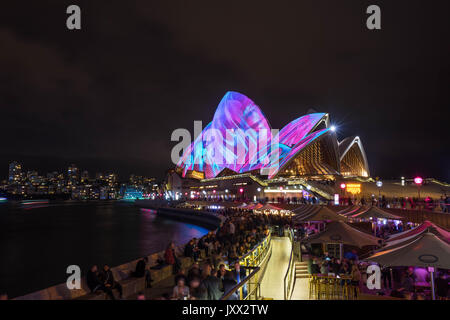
[418,181]
[343,186]
[379,185]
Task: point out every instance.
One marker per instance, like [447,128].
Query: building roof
[240,139]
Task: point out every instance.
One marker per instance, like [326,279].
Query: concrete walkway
[272,285]
[301,290]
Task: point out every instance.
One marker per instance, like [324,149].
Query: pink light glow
[418,180]
[343,185]
[241,190]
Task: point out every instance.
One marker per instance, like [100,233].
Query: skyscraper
[15,172]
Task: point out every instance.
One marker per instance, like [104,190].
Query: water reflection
[37,246]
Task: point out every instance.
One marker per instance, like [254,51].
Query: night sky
[108,97]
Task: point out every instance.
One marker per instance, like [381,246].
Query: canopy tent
[426,226]
[342,233]
[409,236]
[375,213]
[307,213]
[350,210]
[425,251]
[269,206]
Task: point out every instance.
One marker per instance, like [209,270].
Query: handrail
[253,260]
[253,257]
[288,276]
[241,284]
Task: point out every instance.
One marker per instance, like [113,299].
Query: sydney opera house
[240,155]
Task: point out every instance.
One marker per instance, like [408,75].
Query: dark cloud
[109,96]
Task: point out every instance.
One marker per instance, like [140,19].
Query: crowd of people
[399,282]
[219,270]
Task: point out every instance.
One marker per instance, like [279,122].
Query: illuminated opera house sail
[240,140]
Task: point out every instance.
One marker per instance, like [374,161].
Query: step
[301,267]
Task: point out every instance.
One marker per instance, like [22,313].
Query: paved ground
[301,290]
[272,285]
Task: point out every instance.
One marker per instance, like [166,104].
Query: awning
[341,232]
[425,251]
[306,213]
[375,213]
[426,226]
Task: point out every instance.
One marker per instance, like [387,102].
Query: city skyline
[75,183]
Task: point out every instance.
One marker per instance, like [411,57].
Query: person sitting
[211,283]
[196,290]
[181,291]
[229,283]
[142,271]
[442,287]
[108,280]
[336,266]
[95,284]
[194,271]
[140,296]
[324,267]
[179,275]
[221,272]
[408,282]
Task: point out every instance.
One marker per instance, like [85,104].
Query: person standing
[356,278]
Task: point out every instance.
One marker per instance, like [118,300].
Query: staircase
[301,270]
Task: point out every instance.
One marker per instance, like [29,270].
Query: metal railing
[256,261]
[289,278]
[251,282]
[254,257]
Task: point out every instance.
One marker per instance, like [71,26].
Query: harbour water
[38,242]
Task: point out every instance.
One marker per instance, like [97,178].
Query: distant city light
[308,187]
[226,190]
[343,185]
[379,184]
[418,180]
[259,189]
